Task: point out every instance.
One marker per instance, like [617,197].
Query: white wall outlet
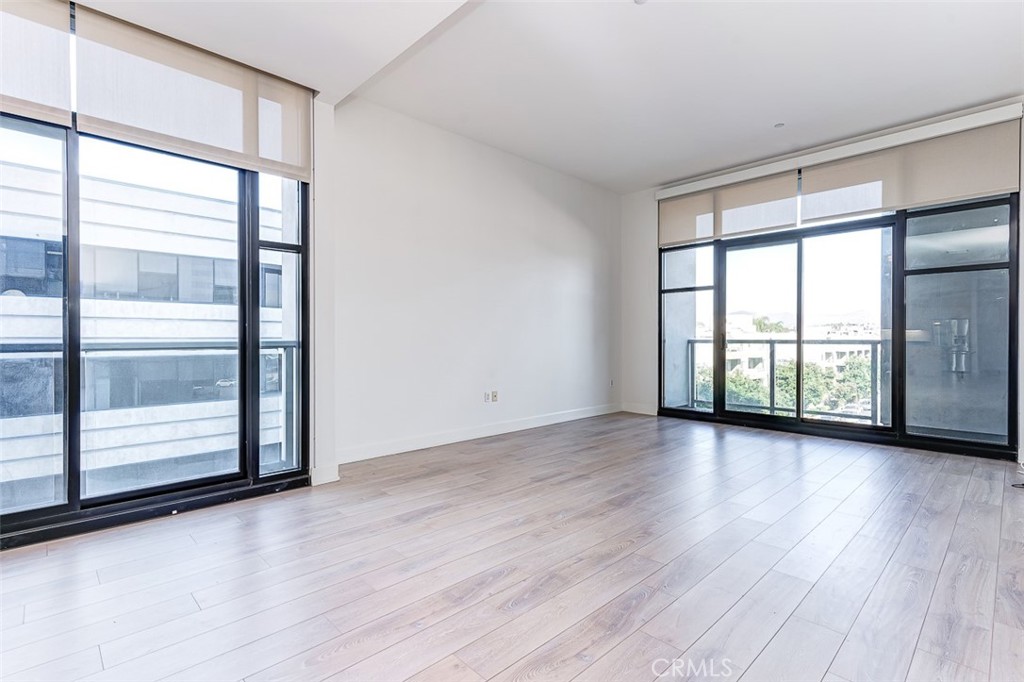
[494,396]
[487,396]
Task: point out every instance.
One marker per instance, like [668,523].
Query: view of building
[159,284]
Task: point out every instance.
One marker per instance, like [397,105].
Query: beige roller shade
[686,219]
[974,163]
[764,204]
[142,87]
[285,127]
[860,185]
[35,59]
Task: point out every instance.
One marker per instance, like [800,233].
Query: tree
[855,381]
[766,326]
[740,389]
[819,383]
[823,388]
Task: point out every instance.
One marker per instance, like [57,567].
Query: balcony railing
[873,346]
[140,441]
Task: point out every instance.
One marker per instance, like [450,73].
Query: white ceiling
[332,46]
[627,96]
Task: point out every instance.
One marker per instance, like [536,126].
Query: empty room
[512,340]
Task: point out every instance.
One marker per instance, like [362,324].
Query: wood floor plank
[637,657]
[1007,653]
[812,556]
[89,636]
[927,667]
[157,652]
[988,481]
[686,619]
[257,655]
[450,669]
[1013,509]
[1010,584]
[881,643]
[500,648]
[736,639]
[70,667]
[958,626]
[838,596]
[977,531]
[591,550]
[800,650]
[575,648]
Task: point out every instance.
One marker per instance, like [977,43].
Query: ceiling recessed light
[780,125]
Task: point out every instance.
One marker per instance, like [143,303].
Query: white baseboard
[391,447]
[325,474]
[640,408]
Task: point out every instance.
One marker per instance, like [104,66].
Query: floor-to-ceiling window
[807,323]
[33,464]
[153,249]
[958,317]
[687,325]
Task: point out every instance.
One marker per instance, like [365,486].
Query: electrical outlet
[494,396]
[487,397]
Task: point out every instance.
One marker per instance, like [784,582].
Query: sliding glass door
[760,328]
[810,316]
[902,326]
[846,339]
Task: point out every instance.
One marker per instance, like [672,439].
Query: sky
[842,279]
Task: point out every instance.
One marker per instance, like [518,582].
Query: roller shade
[760,205]
[973,163]
[35,60]
[141,87]
[970,164]
[686,219]
[763,204]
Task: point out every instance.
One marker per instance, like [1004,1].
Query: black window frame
[80,514]
[896,432]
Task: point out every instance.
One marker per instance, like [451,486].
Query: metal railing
[773,407]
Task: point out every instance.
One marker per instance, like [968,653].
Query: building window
[158,276]
[31,267]
[270,289]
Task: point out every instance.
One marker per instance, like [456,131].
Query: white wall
[638,363]
[445,268]
[323,235]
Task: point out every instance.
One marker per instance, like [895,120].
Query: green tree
[819,385]
[855,381]
[766,326]
[739,388]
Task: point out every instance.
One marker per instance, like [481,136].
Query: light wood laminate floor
[611,548]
